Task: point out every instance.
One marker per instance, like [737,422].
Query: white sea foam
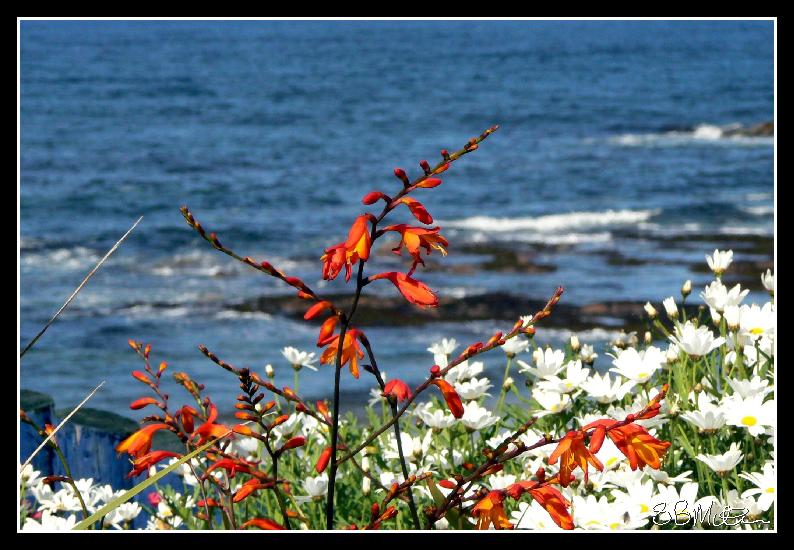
[78,257]
[702,133]
[759,210]
[569,228]
[234,314]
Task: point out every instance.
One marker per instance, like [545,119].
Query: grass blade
[80,287]
[62,423]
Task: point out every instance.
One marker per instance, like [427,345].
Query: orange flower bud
[142,402]
[450,396]
[322,462]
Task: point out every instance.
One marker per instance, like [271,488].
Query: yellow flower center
[614,526]
[770,490]
[643,508]
[756,330]
[642,375]
[611,461]
[749,421]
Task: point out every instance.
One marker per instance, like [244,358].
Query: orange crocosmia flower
[398,389]
[345,254]
[450,396]
[572,453]
[211,430]
[412,290]
[416,238]
[490,510]
[148,460]
[262,523]
[638,445]
[139,443]
[417,209]
[351,351]
[555,504]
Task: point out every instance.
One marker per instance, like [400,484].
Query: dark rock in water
[396,311]
[88,442]
[41,409]
[764,129]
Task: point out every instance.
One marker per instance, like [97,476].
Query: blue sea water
[612,140]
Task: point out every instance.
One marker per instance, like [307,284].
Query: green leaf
[118,501]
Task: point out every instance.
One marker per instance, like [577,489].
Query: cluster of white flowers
[51,510]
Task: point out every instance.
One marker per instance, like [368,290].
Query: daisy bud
[269,371]
[575,345]
[648,338]
[698,388]
[508,383]
[715,316]
[686,288]
[670,308]
[365,485]
[650,310]
[365,463]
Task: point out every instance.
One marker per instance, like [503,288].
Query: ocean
[616,168]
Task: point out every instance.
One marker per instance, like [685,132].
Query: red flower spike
[452,398]
[142,402]
[435,371]
[322,462]
[262,523]
[424,165]
[398,389]
[417,209]
[154,498]
[412,290]
[443,168]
